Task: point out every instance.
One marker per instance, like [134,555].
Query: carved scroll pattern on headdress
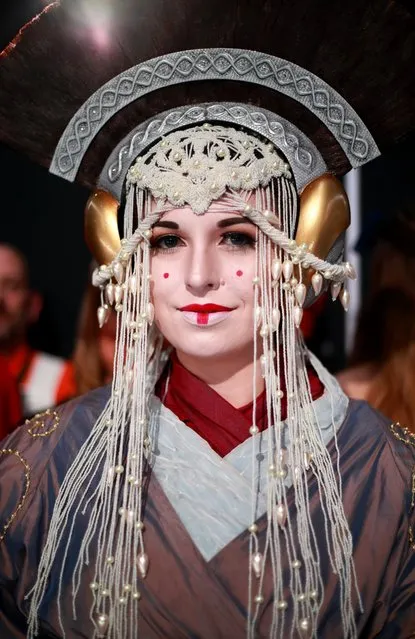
[194,114]
[38,422]
[404,435]
[213,64]
[9,521]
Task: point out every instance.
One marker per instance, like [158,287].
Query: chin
[206,345]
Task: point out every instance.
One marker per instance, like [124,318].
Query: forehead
[11,264]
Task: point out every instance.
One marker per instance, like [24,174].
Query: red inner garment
[201,408]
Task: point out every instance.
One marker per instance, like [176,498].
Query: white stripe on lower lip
[212,318]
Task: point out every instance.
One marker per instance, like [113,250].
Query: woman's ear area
[324,216]
[101,226]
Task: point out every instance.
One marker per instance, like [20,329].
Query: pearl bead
[296,563]
[248,209]
[122,600]
[313,594]
[305,626]
[254,430]
[105,592]
[94,585]
[279,394]
[276,269]
[119,469]
[102,621]
[282,605]
[253,528]
[142,561]
[127,588]
[335,290]
[298,316]
[301,598]
[259,599]
[282,474]
[255,280]
[345,299]
[287,269]
[110,560]
[281,515]
[257,561]
[264,330]
[317,283]
[300,293]
[136,595]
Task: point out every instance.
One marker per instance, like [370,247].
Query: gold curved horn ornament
[324,216]
[101,226]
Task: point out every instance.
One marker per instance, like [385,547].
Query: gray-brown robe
[196,587]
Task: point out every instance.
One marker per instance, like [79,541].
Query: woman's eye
[238,240]
[166,242]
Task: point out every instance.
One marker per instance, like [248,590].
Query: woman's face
[202,270]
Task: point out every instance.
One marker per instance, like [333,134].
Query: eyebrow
[167,225]
[230,221]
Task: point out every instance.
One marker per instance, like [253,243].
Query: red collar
[201,408]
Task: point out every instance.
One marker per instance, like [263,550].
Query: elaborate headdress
[185,104]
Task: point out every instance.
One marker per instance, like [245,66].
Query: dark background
[43,216]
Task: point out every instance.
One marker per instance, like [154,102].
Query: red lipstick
[205,308]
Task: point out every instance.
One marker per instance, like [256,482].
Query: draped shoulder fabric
[196,584]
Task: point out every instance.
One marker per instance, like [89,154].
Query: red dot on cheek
[239,273]
[166,275]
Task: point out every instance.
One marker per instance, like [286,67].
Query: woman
[381,368]
[215,490]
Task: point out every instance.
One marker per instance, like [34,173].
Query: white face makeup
[202,270]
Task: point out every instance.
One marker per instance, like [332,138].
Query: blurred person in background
[44,380]
[381,368]
[10,406]
[94,348]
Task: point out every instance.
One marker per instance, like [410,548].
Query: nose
[202,272]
